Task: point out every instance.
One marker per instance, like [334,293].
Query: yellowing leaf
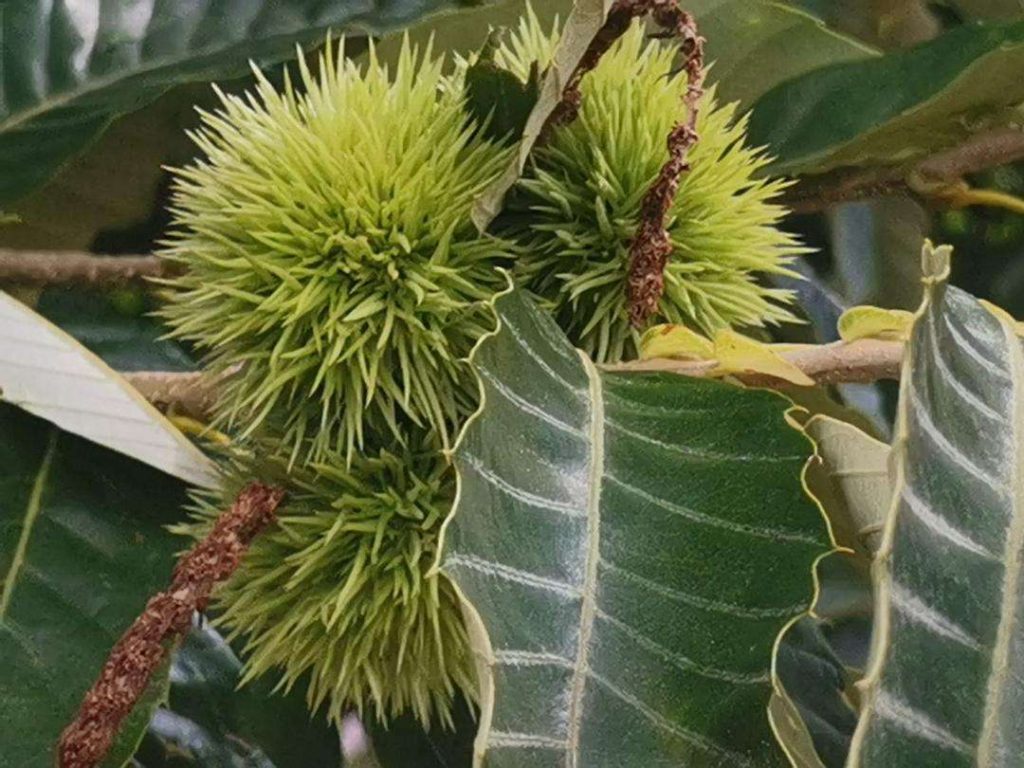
[675,341]
[867,322]
[737,353]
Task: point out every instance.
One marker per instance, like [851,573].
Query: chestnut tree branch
[167,616]
[980,152]
[863,360]
[42,268]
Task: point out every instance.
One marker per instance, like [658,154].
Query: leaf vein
[32,509]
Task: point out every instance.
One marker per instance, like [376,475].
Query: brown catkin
[167,615]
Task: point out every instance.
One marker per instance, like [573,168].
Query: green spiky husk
[331,266]
[329,261]
[342,592]
[577,208]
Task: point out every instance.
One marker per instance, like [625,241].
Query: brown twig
[86,741]
[41,268]
[864,360]
[857,361]
[980,152]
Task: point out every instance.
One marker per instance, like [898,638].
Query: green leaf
[498,99]
[48,373]
[404,742]
[813,680]
[895,108]
[1006,10]
[69,70]
[854,467]
[753,46]
[630,546]
[117,326]
[820,657]
[945,685]
[209,722]
[586,18]
[82,547]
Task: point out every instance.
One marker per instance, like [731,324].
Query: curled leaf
[676,342]
[737,353]
[867,322]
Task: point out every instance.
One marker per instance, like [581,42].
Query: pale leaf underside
[49,374]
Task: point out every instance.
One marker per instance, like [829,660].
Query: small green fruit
[342,590]
[577,208]
[329,261]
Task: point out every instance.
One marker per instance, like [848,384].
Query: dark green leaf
[632,546]
[82,547]
[820,658]
[498,99]
[894,108]
[209,723]
[116,326]
[405,743]
[815,680]
[1006,10]
[586,18]
[945,683]
[754,45]
[68,69]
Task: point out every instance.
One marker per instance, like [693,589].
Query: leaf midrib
[32,509]
[588,607]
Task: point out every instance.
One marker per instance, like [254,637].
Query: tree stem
[980,152]
[42,268]
[864,360]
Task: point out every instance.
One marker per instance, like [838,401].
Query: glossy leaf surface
[82,547]
[68,68]
[891,109]
[632,546]
[50,374]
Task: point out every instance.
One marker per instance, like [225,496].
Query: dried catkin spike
[140,650]
[580,202]
[329,261]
